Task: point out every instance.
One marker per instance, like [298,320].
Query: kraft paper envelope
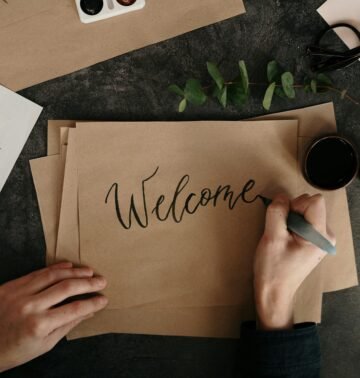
[48,36]
[68,232]
[45,172]
[195,321]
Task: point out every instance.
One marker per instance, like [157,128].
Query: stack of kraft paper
[168,213]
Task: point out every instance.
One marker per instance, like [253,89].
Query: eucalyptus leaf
[237,90]
[287,81]
[182,105]
[273,71]
[194,92]
[313,86]
[176,89]
[307,84]
[237,95]
[216,92]
[222,97]
[323,82]
[280,92]
[269,94]
[323,79]
[215,74]
[244,75]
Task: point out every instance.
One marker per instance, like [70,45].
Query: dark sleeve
[285,354]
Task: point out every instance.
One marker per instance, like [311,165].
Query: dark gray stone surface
[133,87]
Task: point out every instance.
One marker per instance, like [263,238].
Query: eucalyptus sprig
[281,83]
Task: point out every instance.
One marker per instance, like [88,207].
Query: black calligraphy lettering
[177,208]
[248,186]
[156,209]
[132,210]
[180,187]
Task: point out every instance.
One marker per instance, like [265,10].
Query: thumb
[61,332]
[276,216]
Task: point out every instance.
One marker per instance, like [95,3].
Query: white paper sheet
[344,11]
[17,118]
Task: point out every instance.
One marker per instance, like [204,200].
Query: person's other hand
[32,316]
[283,260]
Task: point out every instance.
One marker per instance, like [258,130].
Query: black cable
[325,59]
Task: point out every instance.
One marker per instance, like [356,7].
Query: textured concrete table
[133,87]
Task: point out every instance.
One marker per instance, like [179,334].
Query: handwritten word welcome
[177,208]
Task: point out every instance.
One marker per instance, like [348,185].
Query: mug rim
[316,142]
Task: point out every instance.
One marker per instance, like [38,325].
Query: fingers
[63,315]
[23,281]
[50,277]
[298,204]
[67,289]
[276,216]
[313,208]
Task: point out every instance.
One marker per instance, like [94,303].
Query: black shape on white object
[97,10]
[92,7]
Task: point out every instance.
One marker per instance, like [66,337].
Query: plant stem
[339,91]
[328,87]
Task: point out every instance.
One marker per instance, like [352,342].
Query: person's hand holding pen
[283,260]
[33,315]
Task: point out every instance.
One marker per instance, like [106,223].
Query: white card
[17,118]
[343,11]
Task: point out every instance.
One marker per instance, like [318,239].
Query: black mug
[331,163]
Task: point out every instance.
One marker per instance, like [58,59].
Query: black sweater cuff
[288,353]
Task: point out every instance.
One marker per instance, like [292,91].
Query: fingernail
[87,271]
[101,281]
[103,300]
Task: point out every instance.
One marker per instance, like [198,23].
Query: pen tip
[266,201]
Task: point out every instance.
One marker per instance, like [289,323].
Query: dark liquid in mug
[331,164]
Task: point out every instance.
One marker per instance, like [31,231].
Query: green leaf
[182,105]
[313,86]
[269,94]
[273,71]
[176,89]
[222,97]
[287,81]
[194,92]
[215,92]
[280,92]
[323,79]
[237,95]
[244,75]
[215,74]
